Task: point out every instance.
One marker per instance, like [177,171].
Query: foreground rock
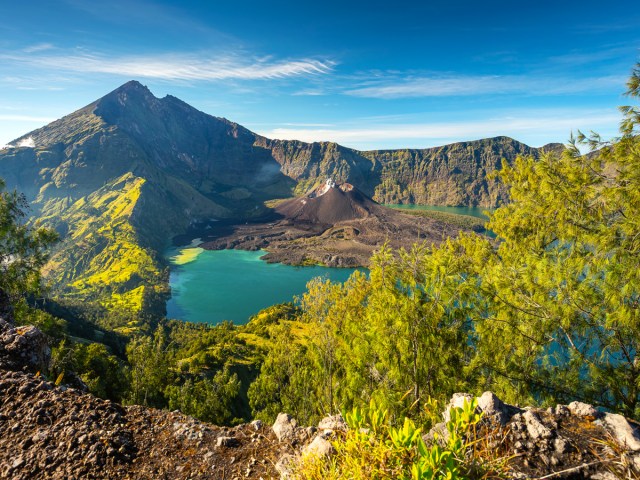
[60,433]
[572,441]
[22,348]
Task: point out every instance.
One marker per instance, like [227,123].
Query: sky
[366,74]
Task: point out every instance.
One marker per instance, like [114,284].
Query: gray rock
[285,427]
[319,447]
[333,422]
[535,428]
[623,432]
[284,466]
[227,442]
[257,424]
[495,410]
[560,445]
[583,409]
[438,434]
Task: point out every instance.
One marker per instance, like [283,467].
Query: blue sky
[366,74]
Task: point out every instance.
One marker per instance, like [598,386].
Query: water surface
[471,211]
[212,286]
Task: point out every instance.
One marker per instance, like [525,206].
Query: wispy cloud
[459,85]
[176,66]
[39,47]
[528,125]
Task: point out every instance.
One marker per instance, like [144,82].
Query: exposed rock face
[577,438]
[23,348]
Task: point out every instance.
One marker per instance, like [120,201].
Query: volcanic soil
[336,225]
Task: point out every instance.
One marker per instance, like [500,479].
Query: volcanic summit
[329,204]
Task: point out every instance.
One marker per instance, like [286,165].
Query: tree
[150,369]
[562,289]
[208,399]
[23,248]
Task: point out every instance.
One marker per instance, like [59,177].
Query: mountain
[329,204]
[122,176]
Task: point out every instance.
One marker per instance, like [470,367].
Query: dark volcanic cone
[329,205]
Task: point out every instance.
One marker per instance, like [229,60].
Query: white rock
[535,428]
[583,409]
[285,427]
[333,422]
[457,401]
[319,447]
[624,433]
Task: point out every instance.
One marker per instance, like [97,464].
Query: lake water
[211,286]
[471,211]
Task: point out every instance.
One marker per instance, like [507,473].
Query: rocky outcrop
[23,348]
[49,432]
[567,441]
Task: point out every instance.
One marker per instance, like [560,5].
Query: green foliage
[562,289]
[372,448]
[398,337]
[103,373]
[150,369]
[23,249]
[208,399]
[286,380]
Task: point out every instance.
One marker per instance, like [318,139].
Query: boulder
[495,410]
[319,447]
[535,428]
[23,348]
[284,466]
[457,401]
[583,409]
[333,422]
[624,432]
[285,427]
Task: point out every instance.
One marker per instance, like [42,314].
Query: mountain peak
[132,85]
[128,91]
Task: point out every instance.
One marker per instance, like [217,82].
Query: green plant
[374,449]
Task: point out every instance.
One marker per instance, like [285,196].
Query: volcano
[329,204]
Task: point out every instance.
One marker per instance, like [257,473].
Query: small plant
[373,449]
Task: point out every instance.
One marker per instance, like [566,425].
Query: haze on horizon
[368,75]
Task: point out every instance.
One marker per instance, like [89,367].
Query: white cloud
[27,142]
[445,86]
[548,125]
[178,66]
[39,47]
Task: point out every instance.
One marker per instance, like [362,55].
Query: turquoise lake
[213,286]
